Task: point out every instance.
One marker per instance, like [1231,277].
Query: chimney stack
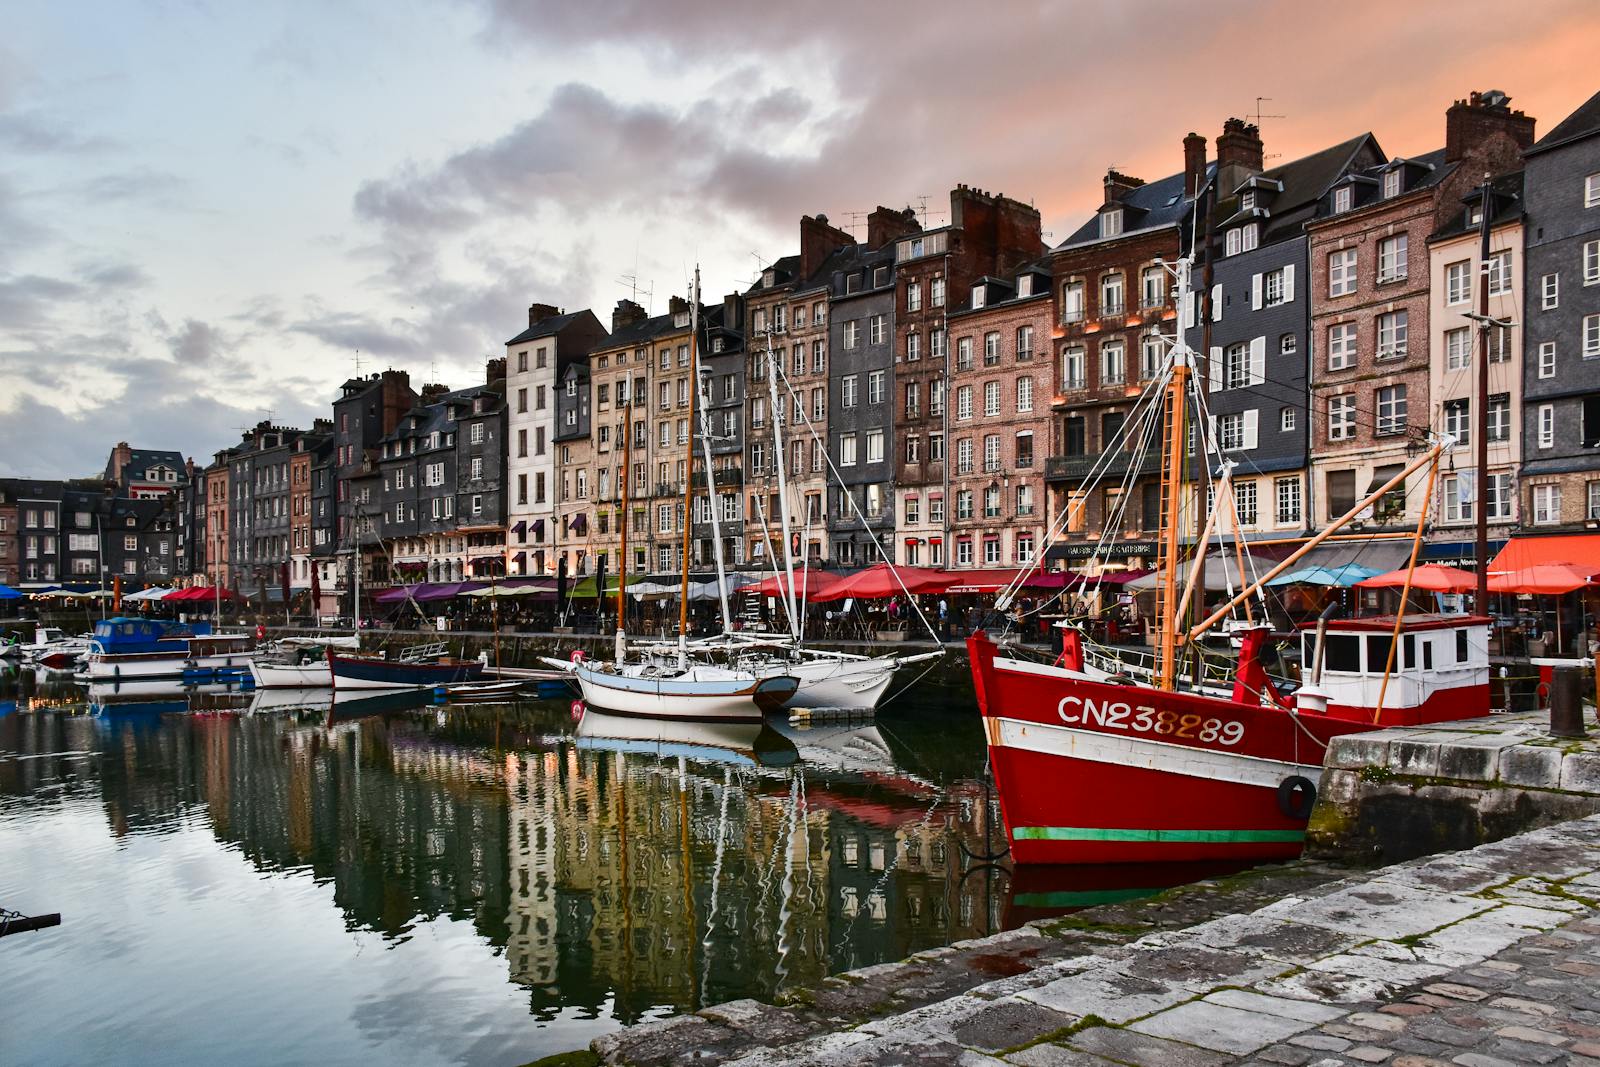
[626,314]
[1119,185]
[1194,164]
[819,240]
[1471,122]
[1239,155]
[121,456]
[677,305]
[537,313]
[495,371]
[885,224]
[432,392]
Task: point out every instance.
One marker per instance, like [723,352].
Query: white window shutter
[1255,292]
[1216,303]
[1258,360]
[1211,433]
[1288,284]
[1189,319]
[1214,367]
[1251,427]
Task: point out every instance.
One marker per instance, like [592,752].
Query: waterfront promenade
[1481,958]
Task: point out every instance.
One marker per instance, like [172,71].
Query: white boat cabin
[1439,672]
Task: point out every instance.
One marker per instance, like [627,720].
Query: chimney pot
[537,313]
[1194,164]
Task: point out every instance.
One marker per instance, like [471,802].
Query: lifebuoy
[578,656]
[577,710]
[1297,795]
[261,632]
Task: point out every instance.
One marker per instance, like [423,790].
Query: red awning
[811,584]
[883,580]
[986,580]
[1520,553]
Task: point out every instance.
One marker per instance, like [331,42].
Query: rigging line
[783,377]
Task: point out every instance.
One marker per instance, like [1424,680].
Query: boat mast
[783,483]
[622,527]
[688,463]
[1481,603]
[712,499]
[1171,531]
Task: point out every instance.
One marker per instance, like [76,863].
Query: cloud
[198,343]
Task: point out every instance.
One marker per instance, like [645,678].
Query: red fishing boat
[1113,764]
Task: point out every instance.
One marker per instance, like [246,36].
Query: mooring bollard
[1566,703]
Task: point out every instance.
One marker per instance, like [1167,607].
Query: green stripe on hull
[1082,898]
[1089,833]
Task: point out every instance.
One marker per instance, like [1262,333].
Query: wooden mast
[1172,482]
[1481,494]
[626,403]
[688,466]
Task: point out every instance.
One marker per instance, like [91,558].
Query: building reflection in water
[624,869]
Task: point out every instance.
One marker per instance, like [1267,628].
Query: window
[1024,343]
[936,448]
[852,334]
[1341,417]
[936,293]
[1499,417]
[1392,334]
[1550,292]
[1458,282]
[964,508]
[476,435]
[1546,420]
[819,357]
[818,404]
[477,468]
[913,450]
[1458,348]
[963,353]
[913,296]
[1546,505]
[1391,183]
[1275,287]
[991,399]
[1500,273]
[1455,493]
[1111,295]
[936,398]
[1236,366]
[1342,346]
[991,349]
[1024,445]
[1112,364]
[964,402]
[1391,410]
[1547,359]
[1458,420]
[1236,431]
[877,327]
[913,400]
[1343,197]
[1591,492]
[980,295]
[913,346]
[1024,394]
[991,453]
[849,384]
[1152,287]
[1024,551]
[936,338]
[847,450]
[1111,222]
[1244,502]
[1024,285]
[1286,419]
[1591,191]
[1392,254]
[875,446]
[1072,368]
[1288,344]
[1591,337]
[964,456]
[522,400]
[1288,494]
[1150,353]
[875,387]
[1072,302]
[1342,272]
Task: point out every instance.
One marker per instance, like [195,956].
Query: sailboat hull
[843,683]
[739,698]
[1096,772]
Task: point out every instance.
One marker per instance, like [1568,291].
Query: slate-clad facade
[861,434]
[1561,376]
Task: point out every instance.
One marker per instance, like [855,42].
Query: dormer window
[1025,285]
[681,320]
[716,344]
[1391,183]
[768,277]
[1249,236]
[916,247]
[1111,222]
[1247,200]
[1343,197]
[978,295]
[1231,243]
[1474,216]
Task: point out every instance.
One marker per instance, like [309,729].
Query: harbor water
[265,881]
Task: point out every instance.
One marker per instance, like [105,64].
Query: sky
[213,213]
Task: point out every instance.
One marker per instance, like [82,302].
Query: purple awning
[446,590]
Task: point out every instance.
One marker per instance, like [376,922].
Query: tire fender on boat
[1297,795]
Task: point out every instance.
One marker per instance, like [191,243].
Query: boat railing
[423,653]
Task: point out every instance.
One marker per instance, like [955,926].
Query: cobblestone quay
[1481,958]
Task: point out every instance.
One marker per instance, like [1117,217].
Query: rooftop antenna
[358,362]
[922,209]
[1259,116]
[632,282]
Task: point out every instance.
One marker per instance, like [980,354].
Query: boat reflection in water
[159,696]
[1050,891]
[741,744]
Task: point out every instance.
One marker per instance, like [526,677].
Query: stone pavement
[1479,959]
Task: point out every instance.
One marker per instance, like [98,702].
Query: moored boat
[694,691]
[375,672]
[126,648]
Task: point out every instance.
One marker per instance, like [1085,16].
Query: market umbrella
[1342,577]
[884,580]
[1430,577]
[810,584]
[8,593]
[510,590]
[1548,579]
